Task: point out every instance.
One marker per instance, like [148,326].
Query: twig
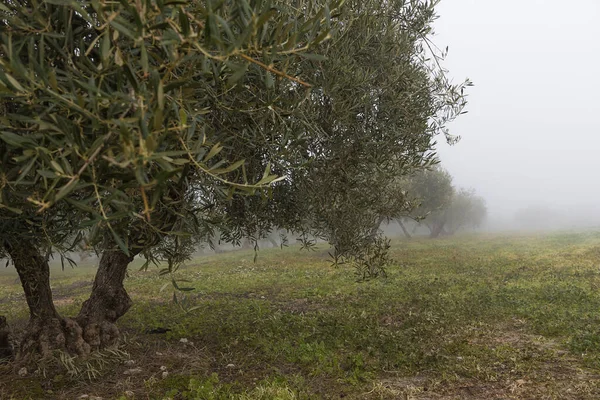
[275,71]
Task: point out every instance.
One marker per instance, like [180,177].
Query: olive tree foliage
[380,99]
[124,123]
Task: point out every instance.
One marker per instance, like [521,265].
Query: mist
[529,143]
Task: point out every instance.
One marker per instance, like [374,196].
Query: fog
[531,139]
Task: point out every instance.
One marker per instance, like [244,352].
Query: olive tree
[441,207]
[433,191]
[370,120]
[378,104]
[467,211]
[143,127]
[121,122]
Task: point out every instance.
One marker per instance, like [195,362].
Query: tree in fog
[378,109]
[144,128]
[442,208]
[433,191]
[122,123]
[466,211]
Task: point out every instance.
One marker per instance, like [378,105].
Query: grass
[470,317]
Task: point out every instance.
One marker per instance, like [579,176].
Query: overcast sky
[532,132]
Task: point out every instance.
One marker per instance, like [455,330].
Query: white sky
[532,132]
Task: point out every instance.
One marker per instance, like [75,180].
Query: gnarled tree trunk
[108,302]
[93,328]
[46,330]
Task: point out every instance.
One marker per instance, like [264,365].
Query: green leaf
[57,167]
[238,73]
[265,17]
[52,80]
[183,116]
[82,206]
[144,58]
[269,81]
[270,179]
[122,29]
[13,82]
[325,35]
[65,190]
[184,23]
[23,173]
[119,241]
[47,173]
[225,27]
[131,76]
[228,169]
[313,56]
[119,57]
[213,152]
[151,144]
[14,140]
[160,95]
[105,48]
[11,209]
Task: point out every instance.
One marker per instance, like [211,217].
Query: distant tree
[467,210]
[441,207]
[433,191]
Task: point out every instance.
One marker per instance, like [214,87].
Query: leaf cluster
[125,121]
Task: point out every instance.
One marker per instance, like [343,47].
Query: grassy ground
[491,317]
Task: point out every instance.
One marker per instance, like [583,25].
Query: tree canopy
[141,127]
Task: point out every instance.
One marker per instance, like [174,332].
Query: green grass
[465,317]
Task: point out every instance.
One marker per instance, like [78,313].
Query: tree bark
[406,233]
[94,327]
[34,274]
[6,348]
[46,329]
[108,302]
[375,228]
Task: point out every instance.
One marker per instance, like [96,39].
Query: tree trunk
[437,229]
[93,328]
[34,274]
[108,302]
[6,348]
[404,229]
[273,242]
[46,330]
[375,228]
